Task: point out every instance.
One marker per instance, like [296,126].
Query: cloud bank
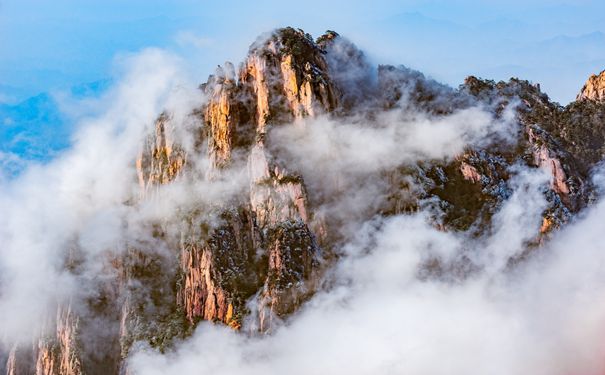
[377,316]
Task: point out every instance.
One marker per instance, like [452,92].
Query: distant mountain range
[36,128]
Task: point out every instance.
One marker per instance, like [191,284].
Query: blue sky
[70,45]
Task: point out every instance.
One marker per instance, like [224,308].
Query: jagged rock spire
[594,88]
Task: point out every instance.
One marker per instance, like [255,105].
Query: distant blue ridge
[35,129]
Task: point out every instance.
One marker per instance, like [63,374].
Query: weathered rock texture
[594,88]
[60,353]
[160,160]
[283,79]
[286,75]
[221,269]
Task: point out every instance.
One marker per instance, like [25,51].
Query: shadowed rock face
[222,271]
[263,253]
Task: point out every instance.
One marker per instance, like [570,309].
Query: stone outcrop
[283,79]
[594,88]
[221,270]
[548,140]
[545,158]
[294,258]
[225,116]
[161,160]
[287,77]
[144,304]
[20,361]
[469,172]
[59,355]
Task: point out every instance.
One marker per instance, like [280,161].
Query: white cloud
[78,198]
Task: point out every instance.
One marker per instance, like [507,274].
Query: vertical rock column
[287,78]
[60,355]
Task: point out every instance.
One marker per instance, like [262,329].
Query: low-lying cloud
[378,317]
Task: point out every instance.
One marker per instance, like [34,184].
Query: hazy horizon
[45,47]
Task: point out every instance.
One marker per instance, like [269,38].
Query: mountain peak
[594,88]
[286,40]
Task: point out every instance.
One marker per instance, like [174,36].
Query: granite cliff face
[594,88]
[161,160]
[265,246]
[265,251]
[58,353]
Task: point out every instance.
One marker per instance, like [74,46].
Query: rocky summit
[594,88]
[267,248]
